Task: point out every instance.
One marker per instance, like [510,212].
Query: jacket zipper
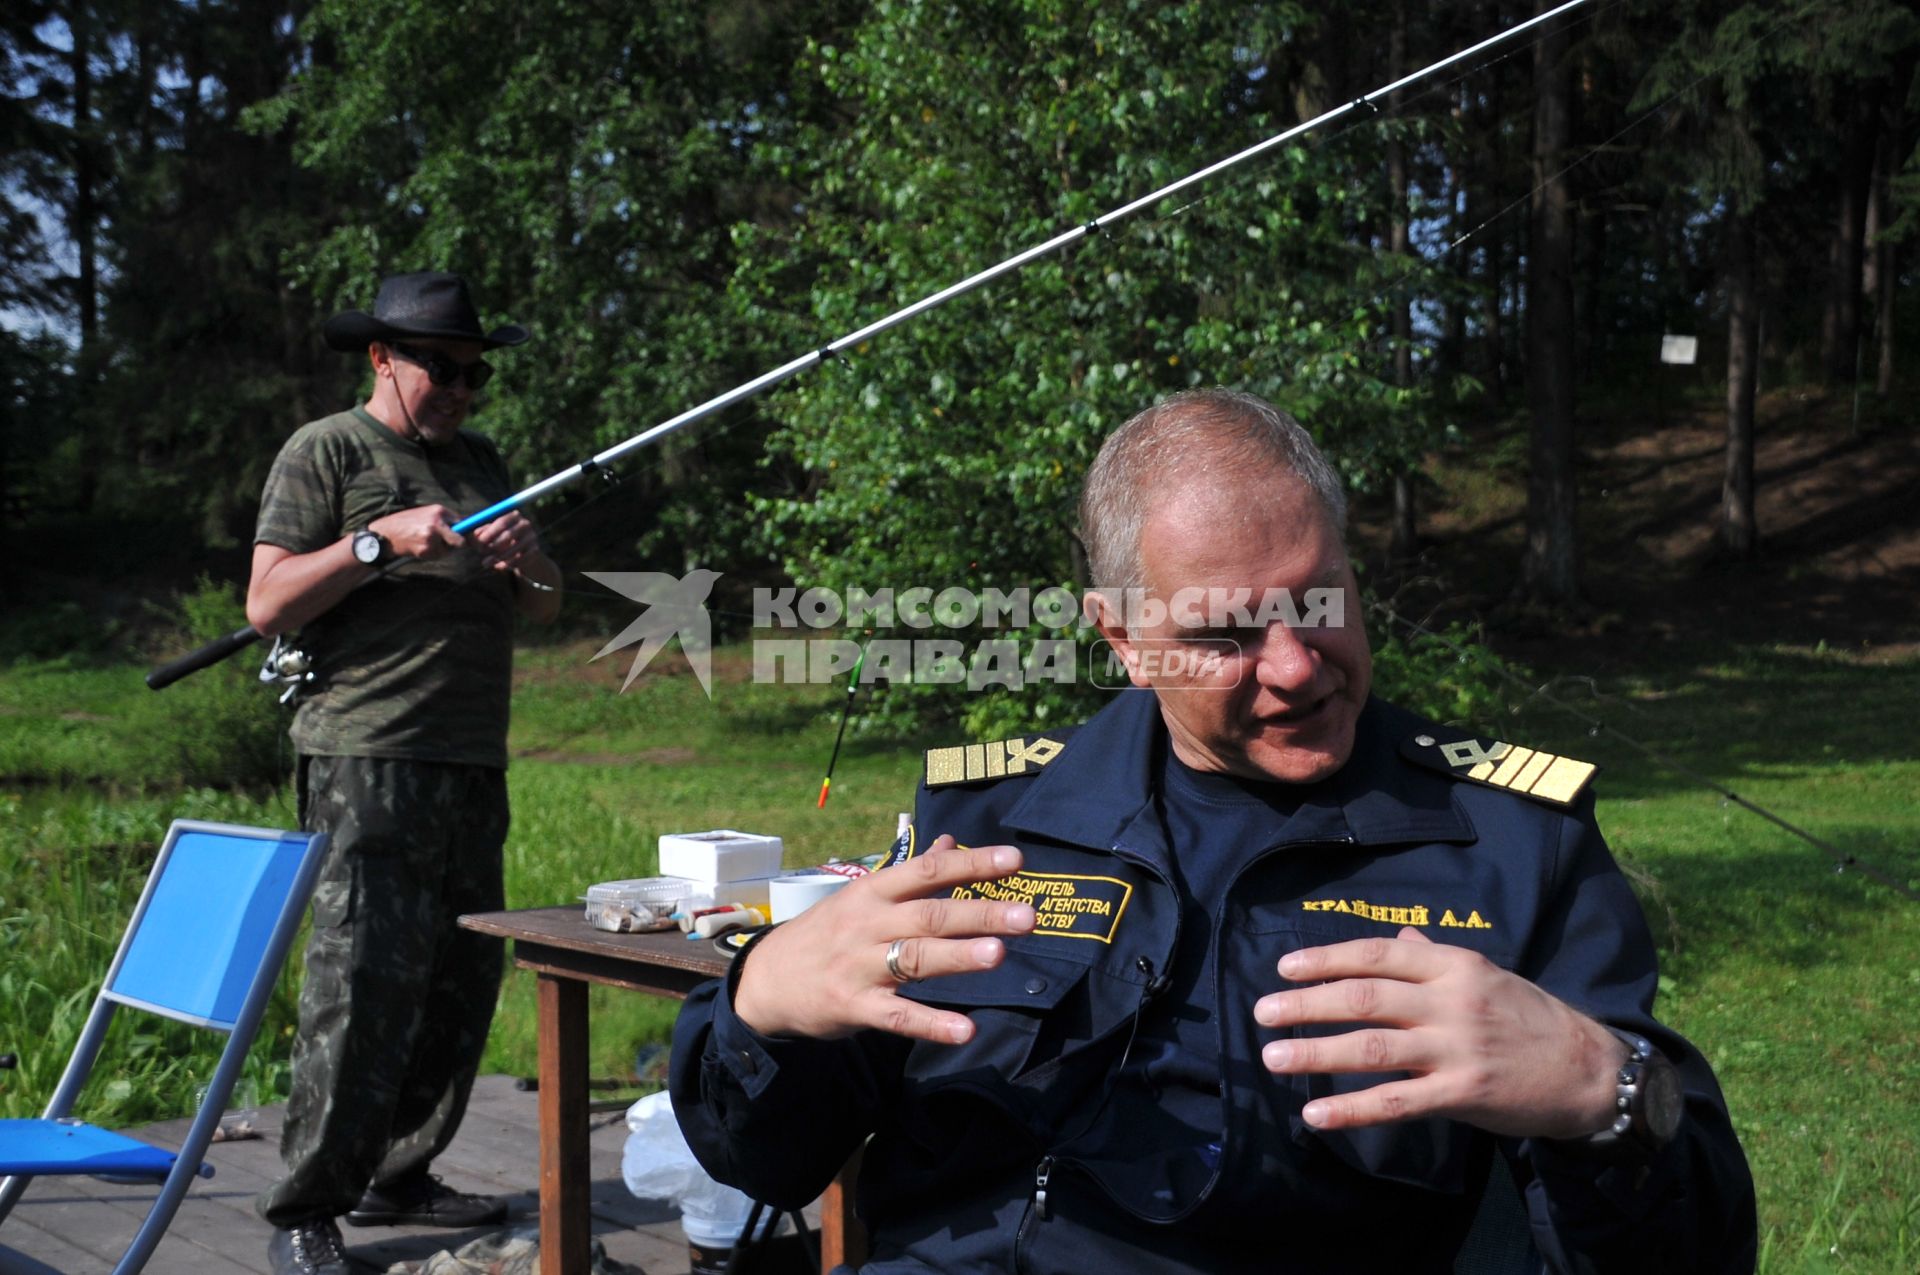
[1220,981]
[1043,1171]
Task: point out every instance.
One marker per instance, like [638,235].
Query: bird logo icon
[675,608]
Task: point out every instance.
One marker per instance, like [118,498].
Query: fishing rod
[220,649]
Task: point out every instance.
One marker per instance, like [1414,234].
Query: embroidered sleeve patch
[1065,905]
[970,762]
[1548,777]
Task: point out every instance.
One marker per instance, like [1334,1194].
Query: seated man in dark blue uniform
[1252,972]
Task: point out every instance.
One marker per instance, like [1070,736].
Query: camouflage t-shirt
[418,663]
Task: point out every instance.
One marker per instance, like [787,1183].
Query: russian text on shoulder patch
[969,763]
[1547,777]
[905,846]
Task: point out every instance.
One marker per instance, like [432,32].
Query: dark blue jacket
[967,1139]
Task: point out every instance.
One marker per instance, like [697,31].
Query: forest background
[1463,293]
[676,199]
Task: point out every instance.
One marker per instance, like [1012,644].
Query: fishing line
[1596,727]
[1414,106]
[1657,108]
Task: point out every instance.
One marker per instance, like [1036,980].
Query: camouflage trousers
[397,1000]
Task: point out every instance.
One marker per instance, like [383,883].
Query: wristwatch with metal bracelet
[1647,1101]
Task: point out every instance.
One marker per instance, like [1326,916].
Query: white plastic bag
[657,1164]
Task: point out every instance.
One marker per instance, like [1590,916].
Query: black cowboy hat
[429,303]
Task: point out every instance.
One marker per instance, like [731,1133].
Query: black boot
[311,1248]
[426,1201]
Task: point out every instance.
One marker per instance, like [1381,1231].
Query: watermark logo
[1053,607]
[1206,664]
[1173,634]
[675,608]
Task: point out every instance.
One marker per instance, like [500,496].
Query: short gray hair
[1193,434]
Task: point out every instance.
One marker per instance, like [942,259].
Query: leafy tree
[1549,569]
[677,199]
[1749,142]
[29,139]
[950,452]
[216,359]
[166,282]
[585,166]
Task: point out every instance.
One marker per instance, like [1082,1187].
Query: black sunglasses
[442,370]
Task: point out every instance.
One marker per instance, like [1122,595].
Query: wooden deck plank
[26,1249]
[78,1226]
[490,1157]
[100,1219]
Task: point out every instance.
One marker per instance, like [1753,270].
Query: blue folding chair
[205,946]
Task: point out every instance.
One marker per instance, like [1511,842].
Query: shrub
[52,631]
[219,727]
[1448,674]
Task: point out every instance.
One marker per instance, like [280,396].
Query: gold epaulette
[1547,777]
[969,763]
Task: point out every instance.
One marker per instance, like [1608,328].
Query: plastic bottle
[713,1218]
[656,1163]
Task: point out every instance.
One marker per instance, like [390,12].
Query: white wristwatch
[370,547]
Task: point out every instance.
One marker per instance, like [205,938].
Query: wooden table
[567,954]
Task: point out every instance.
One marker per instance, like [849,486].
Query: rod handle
[210,654]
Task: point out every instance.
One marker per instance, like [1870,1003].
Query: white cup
[790,896]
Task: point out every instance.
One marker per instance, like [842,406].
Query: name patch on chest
[1417,914]
[1065,905]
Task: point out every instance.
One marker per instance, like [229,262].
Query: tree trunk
[83,222]
[1405,530]
[1549,569]
[1889,256]
[1493,199]
[1593,317]
[83,219]
[146,71]
[1881,267]
[1739,529]
[1453,336]
[1840,325]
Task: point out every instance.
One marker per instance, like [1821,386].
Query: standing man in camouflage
[402,758]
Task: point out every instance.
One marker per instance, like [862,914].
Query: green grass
[598,777]
[72,861]
[1799,982]
[1796,980]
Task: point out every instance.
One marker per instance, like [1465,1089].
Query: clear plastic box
[632,907]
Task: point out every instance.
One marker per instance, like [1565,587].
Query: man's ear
[1107,615]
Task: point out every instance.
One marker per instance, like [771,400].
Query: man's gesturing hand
[824,973]
[1484,1045]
